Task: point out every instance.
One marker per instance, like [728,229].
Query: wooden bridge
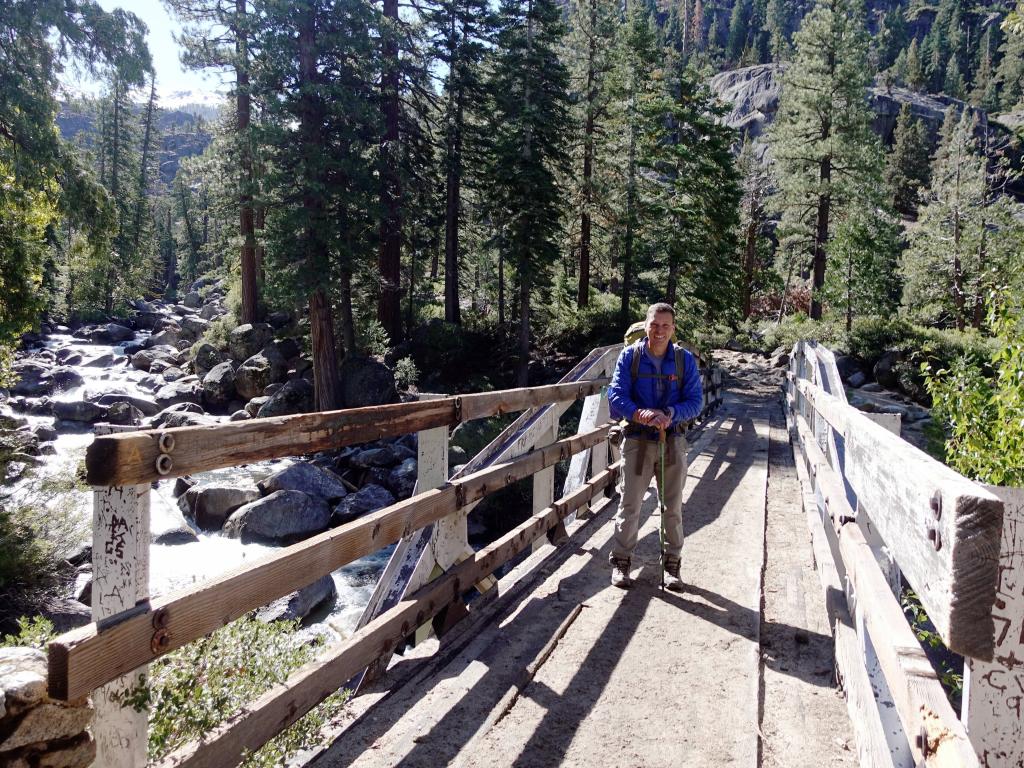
[805,519]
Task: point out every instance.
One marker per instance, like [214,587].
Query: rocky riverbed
[153,368]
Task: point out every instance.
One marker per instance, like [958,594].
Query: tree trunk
[523,374]
[453,181]
[501,287]
[246,214]
[140,203]
[325,367]
[389,306]
[348,326]
[627,251]
[750,257]
[583,293]
[821,236]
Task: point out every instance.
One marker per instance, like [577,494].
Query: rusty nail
[160,641]
[922,742]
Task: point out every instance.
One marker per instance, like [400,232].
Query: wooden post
[544,481]
[120,568]
[993,704]
[120,562]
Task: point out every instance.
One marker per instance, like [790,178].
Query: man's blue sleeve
[620,390]
[691,398]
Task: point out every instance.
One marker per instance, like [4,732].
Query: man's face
[660,327]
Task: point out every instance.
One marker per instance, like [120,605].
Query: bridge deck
[563,669]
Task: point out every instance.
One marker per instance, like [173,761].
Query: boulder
[205,357]
[402,479]
[247,339]
[367,499]
[44,433]
[144,359]
[219,385]
[279,319]
[62,379]
[79,410]
[847,365]
[857,379]
[366,381]
[253,406]
[66,614]
[124,413]
[305,477]
[283,517]
[288,347]
[148,407]
[239,415]
[103,361]
[194,327]
[31,379]
[209,505]
[68,356]
[113,333]
[383,456]
[298,605]
[187,390]
[885,370]
[296,396]
[211,311]
[168,336]
[16,441]
[147,319]
[266,367]
[192,299]
[780,360]
[189,419]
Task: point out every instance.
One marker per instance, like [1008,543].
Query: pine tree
[954,83]
[528,126]
[915,78]
[825,153]
[588,48]
[891,38]
[908,162]
[738,31]
[778,13]
[756,186]
[1010,72]
[985,94]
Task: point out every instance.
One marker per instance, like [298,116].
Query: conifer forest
[522,176]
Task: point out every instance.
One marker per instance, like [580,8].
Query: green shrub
[406,373]
[218,332]
[579,329]
[372,338]
[36,536]
[195,688]
[982,411]
[34,632]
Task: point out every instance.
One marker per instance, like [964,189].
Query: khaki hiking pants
[633,485]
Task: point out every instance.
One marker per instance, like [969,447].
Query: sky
[175,85]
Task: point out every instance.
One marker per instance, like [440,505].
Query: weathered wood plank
[942,529]
[131,458]
[993,707]
[286,703]
[917,693]
[87,657]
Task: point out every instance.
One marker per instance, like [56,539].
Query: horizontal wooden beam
[942,529]
[86,658]
[288,702]
[132,458]
[920,701]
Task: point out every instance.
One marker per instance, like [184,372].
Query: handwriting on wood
[994,690]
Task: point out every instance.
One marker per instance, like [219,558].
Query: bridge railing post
[120,568]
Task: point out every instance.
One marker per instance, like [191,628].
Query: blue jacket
[684,395]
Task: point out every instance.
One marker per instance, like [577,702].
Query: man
[650,392]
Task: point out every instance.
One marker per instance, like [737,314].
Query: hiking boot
[672,580]
[620,573]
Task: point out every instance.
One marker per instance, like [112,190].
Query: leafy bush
[580,329]
[36,536]
[984,414]
[218,332]
[406,373]
[373,339]
[197,687]
[34,632]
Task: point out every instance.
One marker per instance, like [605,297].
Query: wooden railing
[881,512]
[131,629]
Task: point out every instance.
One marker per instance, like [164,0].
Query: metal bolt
[160,617]
[164,464]
[166,442]
[161,639]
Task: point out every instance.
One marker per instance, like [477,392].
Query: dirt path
[575,672]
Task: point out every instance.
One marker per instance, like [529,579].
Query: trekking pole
[661,498]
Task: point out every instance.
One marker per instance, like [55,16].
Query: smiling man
[656,386]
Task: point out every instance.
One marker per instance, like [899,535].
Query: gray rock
[279,319]
[259,371]
[885,370]
[283,517]
[47,722]
[169,336]
[124,413]
[103,361]
[402,479]
[288,347]
[192,299]
[367,499]
[780,361]
[857,379]
[148,407]
[366,381]
[872,386]
[66,614]
[68,356]
[847,365]
[298,605]
[81,590]
[211,311]
[219,385]
[148,319]
[194,327]
[114,333]
[296,396]
[44,433]
[239,415]
[384,456]
[307,478]
[247,339]
[254,405]
[188,390]
[144,359]
[79,410]
[205,357]
[209,505]
[62,379]
[188,419]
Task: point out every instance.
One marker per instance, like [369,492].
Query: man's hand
[653,418]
